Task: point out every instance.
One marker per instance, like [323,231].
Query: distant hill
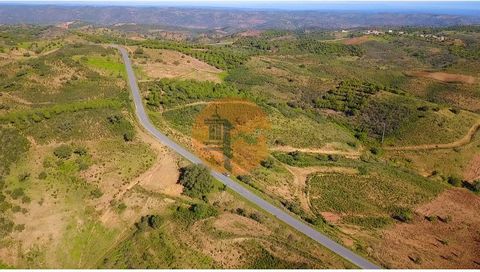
[210,18]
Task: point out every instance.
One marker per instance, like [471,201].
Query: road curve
[236,187]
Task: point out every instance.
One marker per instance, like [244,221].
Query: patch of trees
[302,44]
[300,159]
[38,115]
[383,118]
[349,96]
[323,48]
[196,181]
[170,92]
[222,57]
[12,146]
[470,52]
[195,212]
[149,222]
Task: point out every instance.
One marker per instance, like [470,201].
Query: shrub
[96,193]
[415,259]
[402,214]
[80,151]
[256,216]
[445,219]
[332,157]
[202,211]
[196,180]
[240,211]
[149,221]
[268,163]
[375,150]
[42,175]
[195,212]
[26,200]
[455,110]
[454,181]
[128,136]
[423,108]
[16,193]
[245,179]
[63,152]
[138,51]
[23,176]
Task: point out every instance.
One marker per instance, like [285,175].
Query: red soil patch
[453,243]
[356,40]
[444,77]
[473,170]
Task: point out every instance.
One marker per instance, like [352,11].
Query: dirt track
[461,142]
[348,154]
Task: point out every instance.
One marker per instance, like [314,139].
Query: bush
[63,152]
[149,221]
[128,136]
[196,180]
[268,163]
[445,219]
[454,181]
[96,193]
[455,110]
[423,108]
[332,157]
[402,214]
[138,51]
[256,216]
[376,150]
[80,151]
[42,175]
[195,212]
[17,193]
[23,176]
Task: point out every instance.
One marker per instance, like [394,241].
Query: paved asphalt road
[280,214]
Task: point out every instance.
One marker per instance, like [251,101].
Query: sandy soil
[163,177]
[453,243]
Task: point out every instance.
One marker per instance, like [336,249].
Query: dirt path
[21,100]
[461,142]
[233,101]
[147,177]
[300,175]
[327,151]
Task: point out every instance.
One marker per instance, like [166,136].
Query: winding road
[233,185]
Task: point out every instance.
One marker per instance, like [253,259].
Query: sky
[466,7]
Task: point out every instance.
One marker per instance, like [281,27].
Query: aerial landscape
[262,135]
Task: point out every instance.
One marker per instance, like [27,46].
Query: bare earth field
[450,240]
[444,77]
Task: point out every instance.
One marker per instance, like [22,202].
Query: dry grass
[171,64]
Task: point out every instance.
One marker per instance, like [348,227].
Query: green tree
[196,180]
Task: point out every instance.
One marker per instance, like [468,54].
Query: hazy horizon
[431,7]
